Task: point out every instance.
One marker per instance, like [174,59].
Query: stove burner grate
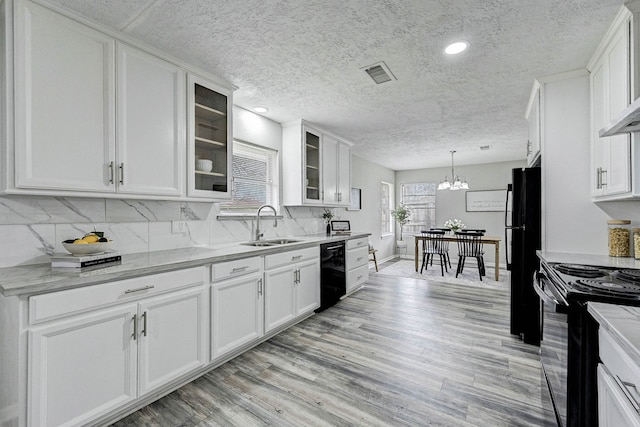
[628,276]
[609,287]
[580,270]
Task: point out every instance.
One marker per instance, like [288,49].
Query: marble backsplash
[33,227]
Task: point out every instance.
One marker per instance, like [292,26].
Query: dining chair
[470,246]
[445,243]
[472,230]
[434,244]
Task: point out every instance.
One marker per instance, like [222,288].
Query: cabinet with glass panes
[210,139]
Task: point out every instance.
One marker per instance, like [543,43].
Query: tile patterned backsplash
[32,228]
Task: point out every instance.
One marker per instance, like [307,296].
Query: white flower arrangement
[454,224]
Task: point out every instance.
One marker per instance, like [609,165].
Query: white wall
[452,204]
[367,176]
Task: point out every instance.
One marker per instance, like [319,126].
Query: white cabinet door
[618,172]
[210,138]
[82,368]
[308,287]
[173,336]
[330,170]
[344,174]
[150,124]
[534,142]
[237,313]
[279,292]
[64,135]
[614,409]
[599,117]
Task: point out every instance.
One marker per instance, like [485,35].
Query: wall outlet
[178,227]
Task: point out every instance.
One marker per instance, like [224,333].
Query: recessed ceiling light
[455,48]
[260,109]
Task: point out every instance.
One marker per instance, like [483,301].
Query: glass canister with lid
[619,237]
[636,243]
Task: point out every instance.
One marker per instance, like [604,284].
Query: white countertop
[39,278]
[587,259]
[622,322]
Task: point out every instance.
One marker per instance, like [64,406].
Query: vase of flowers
[454,225]
[327,216]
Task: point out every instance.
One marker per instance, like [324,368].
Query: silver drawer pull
[144,323]
[239,269]
[145,288]
[359,258]
[626,386]
[293,258]
[359,277]
[135,327]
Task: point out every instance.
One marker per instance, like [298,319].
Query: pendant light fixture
[456,182]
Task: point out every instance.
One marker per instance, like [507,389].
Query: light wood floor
[400,352]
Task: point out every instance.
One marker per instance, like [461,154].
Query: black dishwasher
[332,274]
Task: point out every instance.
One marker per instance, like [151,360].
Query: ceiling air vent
[379,73]
[485,147]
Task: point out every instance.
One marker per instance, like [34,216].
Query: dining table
[488,240]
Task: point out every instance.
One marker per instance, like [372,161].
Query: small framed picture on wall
[356,204]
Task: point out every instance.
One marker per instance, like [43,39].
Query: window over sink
[254,179]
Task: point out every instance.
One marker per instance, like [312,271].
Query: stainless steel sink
[271,242]
[282,241]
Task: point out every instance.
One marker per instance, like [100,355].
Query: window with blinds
[420,199]
[254,179]
[386,204]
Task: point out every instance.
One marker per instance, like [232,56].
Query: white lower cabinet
[292,286]
[86,365]
[357,264]
[82,368]
[172,337]
[237,313]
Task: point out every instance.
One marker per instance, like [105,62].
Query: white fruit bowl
[88,249]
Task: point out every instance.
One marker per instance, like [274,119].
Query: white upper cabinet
[336,172]
[613,87]
[64,104]
[316,166]
[533,116]
[150,124]
[209,139]
[96,116]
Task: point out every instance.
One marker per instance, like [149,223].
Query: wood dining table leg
[497,261]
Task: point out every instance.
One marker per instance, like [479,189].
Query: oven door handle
[551,297]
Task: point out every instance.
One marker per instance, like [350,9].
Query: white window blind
[386,203]
[420,199]
[254,179]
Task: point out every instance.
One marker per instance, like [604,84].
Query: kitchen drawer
[357,257]
[276,260]
[357,276]
[618,361]
[58,304]
[239,267]
[358,243]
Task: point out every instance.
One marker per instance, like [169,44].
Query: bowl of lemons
[89,244]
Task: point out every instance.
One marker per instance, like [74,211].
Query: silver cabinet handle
[239,269]
[144,323]
[626,386]
[121,172]
[293,258]
[111,172]
[359,277]
[359,258]
[135,326]
[144,288]
[603,174]
[259,286]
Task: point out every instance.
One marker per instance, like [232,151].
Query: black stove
[590,283]
[569,346]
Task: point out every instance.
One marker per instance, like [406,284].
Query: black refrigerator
[522,239]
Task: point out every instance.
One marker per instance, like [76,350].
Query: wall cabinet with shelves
[209,139]
[317,166]
[101,117]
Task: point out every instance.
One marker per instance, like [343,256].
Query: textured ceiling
[304,59]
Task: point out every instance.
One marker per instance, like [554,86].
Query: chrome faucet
[275,220]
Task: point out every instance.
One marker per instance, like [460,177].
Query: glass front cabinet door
[209,139]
